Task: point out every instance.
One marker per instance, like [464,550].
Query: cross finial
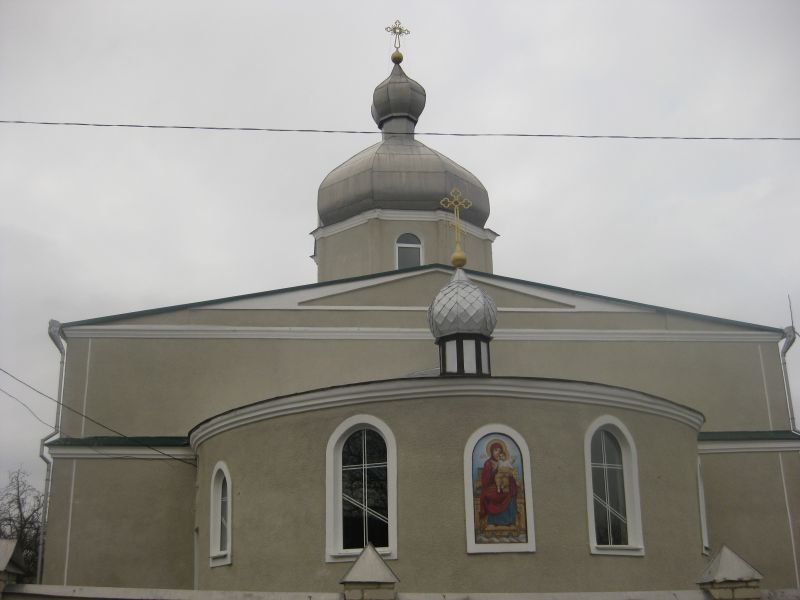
[456,202]
[397,30]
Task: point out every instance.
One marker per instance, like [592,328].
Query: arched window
[220,516]
[612,488]
[361,483]
[409,251]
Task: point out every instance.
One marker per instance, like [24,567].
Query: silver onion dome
[397,96]
[399,172]
[462,307]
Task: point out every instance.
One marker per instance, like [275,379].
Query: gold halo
[502,444]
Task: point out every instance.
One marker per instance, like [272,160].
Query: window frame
[398,245]
[334,547]
[630,472]
[472,546]
[217,555]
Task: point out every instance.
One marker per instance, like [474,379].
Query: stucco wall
[278,472]
[132,380]
[370,248]
[121,523]
[748,510]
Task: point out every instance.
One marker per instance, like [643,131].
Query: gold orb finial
[459,258]
[397,30]
[456,202]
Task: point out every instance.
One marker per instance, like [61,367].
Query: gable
[414,291]
[420,290]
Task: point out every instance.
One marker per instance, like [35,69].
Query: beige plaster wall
[370,248]
[747,510]
[278,473]
[121,523]
[166,386]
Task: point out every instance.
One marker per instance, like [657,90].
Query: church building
[460,433]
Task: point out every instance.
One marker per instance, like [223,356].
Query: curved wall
[277,466]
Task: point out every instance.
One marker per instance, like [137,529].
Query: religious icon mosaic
[498,488]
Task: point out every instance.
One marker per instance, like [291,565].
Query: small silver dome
[397,96]
[462,307]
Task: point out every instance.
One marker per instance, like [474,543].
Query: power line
[96,422]
[29,409]
[430,133]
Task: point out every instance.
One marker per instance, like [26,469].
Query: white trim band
[399,333]
[411,389]
[383,214]
[734,446]
[137,452]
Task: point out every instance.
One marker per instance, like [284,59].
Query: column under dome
[374,203]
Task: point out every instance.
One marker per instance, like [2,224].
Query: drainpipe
[55,333]
[790,335]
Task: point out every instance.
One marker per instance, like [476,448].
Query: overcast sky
[104,221]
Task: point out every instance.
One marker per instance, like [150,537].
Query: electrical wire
[431,133]
[29,409]
[135,441]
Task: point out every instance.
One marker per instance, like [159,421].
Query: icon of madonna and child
[498,491]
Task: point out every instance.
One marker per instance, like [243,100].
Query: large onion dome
[461,307]
[399,172]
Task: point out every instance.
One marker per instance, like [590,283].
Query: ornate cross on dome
[455,201]
[397,30]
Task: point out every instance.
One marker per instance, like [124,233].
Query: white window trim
[630,470]
[218,557]
[472,546]
[701,500]
[398,245]
[334,552]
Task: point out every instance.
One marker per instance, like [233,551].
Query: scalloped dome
[462,307]
[399,172]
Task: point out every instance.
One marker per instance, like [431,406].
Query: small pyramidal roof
[727,567]
[369,568]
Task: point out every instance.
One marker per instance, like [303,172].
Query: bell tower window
[408,251]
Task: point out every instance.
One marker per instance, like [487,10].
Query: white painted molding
[398,333]
[434,387]
[76,592]
[402,215]
[739,446]
[472,546]
[333,487]
[218,557]
[123,452]
[630,470]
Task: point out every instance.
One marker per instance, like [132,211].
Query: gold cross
[456,202]
[397,30]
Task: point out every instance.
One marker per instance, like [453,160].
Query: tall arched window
[220,516]
[408,251]
[612,487]
[361,483]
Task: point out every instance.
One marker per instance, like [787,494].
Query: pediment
[420,291]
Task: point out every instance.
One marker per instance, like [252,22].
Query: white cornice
[399,333]
[410,389]
[734,446]
[402,215]
[122,452]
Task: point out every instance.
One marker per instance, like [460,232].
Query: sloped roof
[728,567]
[11,557]
[420,269]
[369,568]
